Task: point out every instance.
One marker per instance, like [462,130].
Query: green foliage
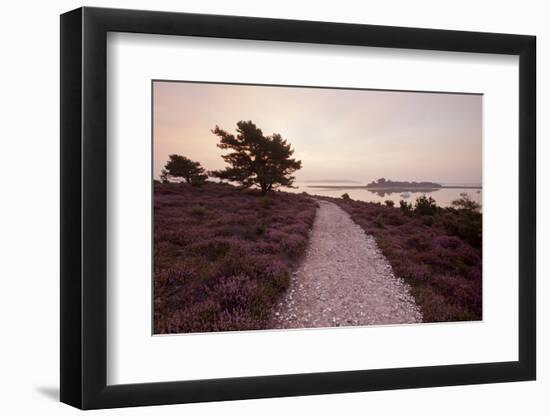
[346,196]
[256,159]
[266,202]
[198,211]
[182,167]
[425,206]
[466,224]
[439,255]
[465,203]
[389,203]
[260,228]
[406,208]
[379,222]
[427,220]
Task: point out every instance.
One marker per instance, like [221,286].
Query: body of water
[443,196]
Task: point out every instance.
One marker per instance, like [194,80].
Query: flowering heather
[439,254]
[222,256]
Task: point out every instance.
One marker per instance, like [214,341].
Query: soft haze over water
[443,197]
[357,135]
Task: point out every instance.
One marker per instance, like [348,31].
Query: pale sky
[338,134]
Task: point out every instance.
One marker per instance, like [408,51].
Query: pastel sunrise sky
[338,134]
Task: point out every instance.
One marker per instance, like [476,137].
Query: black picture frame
[84,207]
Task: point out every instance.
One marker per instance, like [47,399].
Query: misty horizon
[339,135]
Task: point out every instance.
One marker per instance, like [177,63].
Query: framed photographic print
[257,207]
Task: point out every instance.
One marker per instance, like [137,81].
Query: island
[384,184]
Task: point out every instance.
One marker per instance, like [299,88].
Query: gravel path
[343,280]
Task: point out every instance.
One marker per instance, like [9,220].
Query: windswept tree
[181,167]
[264,161]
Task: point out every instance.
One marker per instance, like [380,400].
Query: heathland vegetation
[437,251]
[224,252]
[223,256]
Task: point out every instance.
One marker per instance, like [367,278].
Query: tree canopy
[465,203]
[256,159]
[182,167]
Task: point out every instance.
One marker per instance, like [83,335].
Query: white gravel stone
[343,279]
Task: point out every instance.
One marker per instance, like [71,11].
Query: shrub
[389,203]
[260,228]
[425,206]
[466,203]
[198,211]
[379,222]
[465,224]
[222,257]
[394,219]
[427,220]
[420,243]
[265,201]
[437,252]
[447,242]
[346,196]
[406,208]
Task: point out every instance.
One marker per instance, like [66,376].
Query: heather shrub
[260,228]
[418,242]
[198,211]
[294,245]
[448,242]
[393,218]
[427,220]
[210,249]
[425,206]
[265,201]
[379,222]
[466,203]
[222,257]
[406,208]
[465,224]
[437,251]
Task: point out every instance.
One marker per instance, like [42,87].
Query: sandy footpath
[343,280]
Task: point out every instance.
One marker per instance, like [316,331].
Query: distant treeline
[384,183]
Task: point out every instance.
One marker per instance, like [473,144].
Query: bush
[465,224]
[379,222]
[406,208]
[447,242]
[466,203]
[394,219]
[260,228]
[437,252]
[265,201]
[198,211]
[222,257]
[425,206]
[427,220]
[346,196]
[389,203]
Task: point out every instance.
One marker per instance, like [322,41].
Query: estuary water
[443,196]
